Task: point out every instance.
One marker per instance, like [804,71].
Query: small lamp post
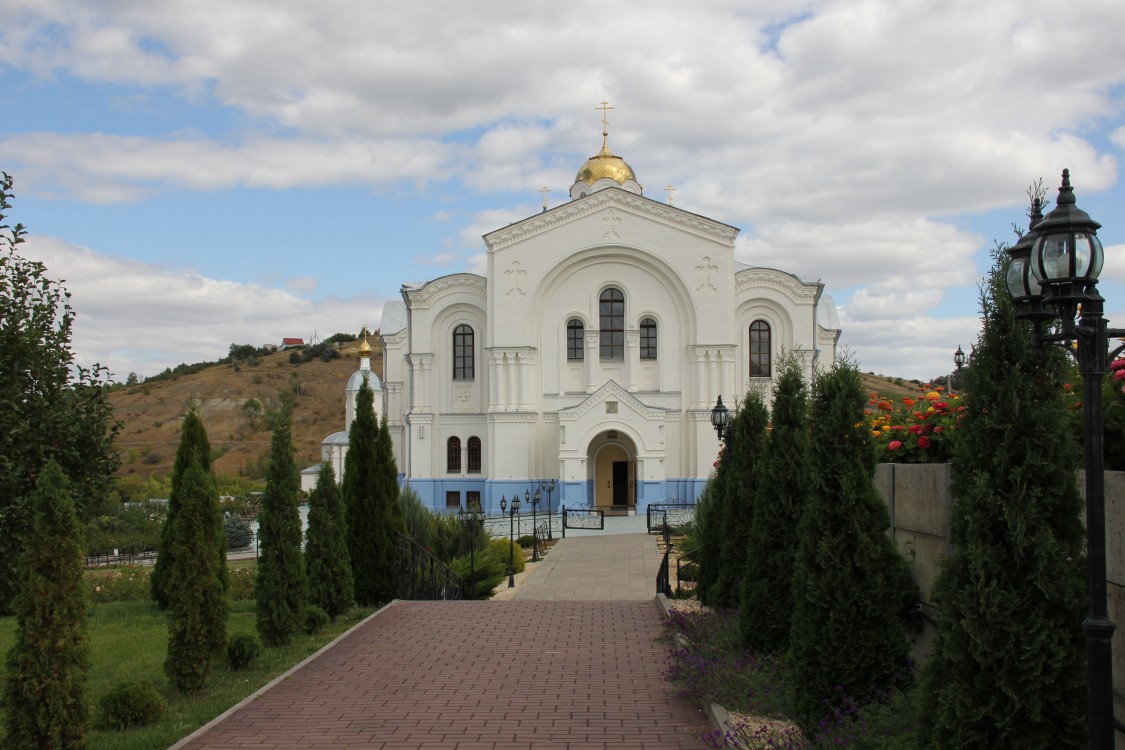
[471,520]
[511,538]
[720,415]
[959,362]
[548,487]
[534,500]
[1053,274]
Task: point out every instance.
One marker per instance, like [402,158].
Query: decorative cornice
[447,418]
[394,341]
[611,198]
[511,416]
[799,292]
[423,297]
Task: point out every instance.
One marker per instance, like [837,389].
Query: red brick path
[469,675]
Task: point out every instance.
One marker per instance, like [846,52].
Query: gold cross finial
[544,190]
[605,122]
[670,190]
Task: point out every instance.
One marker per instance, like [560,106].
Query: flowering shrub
[918,430]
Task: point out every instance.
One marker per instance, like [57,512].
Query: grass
[129,641]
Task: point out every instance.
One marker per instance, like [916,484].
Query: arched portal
[612,458]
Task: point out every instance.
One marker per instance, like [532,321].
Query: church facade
[591,351]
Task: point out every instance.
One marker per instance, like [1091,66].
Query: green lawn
[129,640]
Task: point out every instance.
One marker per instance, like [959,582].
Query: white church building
[591,351]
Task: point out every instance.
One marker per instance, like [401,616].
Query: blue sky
[218,172]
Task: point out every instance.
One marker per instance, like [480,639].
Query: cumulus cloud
[853,141]
[140,317]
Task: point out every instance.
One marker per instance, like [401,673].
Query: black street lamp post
[959,362]
[471,520]
[534,500]
[720,415]
[511,537]
[548,487]
[1053,274]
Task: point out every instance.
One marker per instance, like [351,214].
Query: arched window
[462,353]
[648,339]
[760,358]
[453,455]
[612,324]
[474,455]
[575,340]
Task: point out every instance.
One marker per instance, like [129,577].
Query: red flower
[939,429]
[1117,364]
[894,445]
[941,406]
[1119,374]
[896,427]
[915,429]
[924,442]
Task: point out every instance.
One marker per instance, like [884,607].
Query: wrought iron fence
[583,518]
[420,575]
[674,514]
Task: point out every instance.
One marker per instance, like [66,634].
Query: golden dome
[605,164]
[365,348]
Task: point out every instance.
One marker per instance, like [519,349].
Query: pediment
[617,200]
[611,395]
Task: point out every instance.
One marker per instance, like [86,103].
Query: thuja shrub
[488,569]
[313,618]
[500,548]
[130,704]
[242,649]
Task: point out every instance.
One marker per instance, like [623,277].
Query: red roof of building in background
[292,342]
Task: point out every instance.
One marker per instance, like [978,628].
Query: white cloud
[139,317]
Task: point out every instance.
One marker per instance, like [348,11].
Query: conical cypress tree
[370,491]
[1008,668]
[328,567]
[709,514]
[196,603]
[767,599]
[854,599]
[193,439]
[281,590]
[740,488]
[47,666]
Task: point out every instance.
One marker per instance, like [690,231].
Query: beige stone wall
[918,502]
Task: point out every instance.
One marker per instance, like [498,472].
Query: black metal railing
[420,575]
[662,584]
[541,538]
[675,515]
[125,556]
[583,518]
[686,572]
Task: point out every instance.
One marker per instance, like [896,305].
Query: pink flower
[1119,374]
[915,429]
[896,428]
[1117,364]
[894,445]
[939,429]
[716,464]
[924,442]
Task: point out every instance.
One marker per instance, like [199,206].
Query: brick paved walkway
[542,673]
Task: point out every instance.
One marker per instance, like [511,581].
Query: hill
[235,405]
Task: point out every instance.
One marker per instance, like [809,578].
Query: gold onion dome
[605,164]
[365,348]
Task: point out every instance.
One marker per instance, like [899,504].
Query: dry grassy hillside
[889,387]
[151,412]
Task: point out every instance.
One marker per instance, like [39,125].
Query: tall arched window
[612,324]
[474,455]
[453,455]
[760,358]
[575,340]
[648,339]
[462,353]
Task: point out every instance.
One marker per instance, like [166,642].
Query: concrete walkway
[553,669]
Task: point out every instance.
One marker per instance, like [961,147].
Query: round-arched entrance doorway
[612,461]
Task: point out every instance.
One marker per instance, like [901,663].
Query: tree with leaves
[370,491]
[328,567]
[281,588]
[737,506]
[44,704]
[197,609]
[767,596]
[193,441]
[854,599]
[50,408]
[1008,667]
